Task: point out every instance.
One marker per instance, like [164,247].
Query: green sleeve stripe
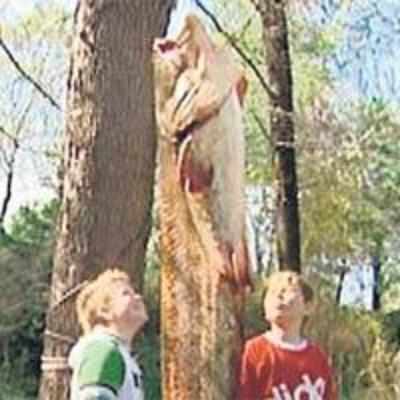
[102,364]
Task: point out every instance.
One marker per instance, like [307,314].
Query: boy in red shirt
[281,364]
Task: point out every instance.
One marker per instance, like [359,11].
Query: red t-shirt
[272,372]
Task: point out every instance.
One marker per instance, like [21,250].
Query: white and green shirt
[103,369]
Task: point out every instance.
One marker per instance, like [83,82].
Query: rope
[69,294]
[57,336]
[288,145]
[54,364]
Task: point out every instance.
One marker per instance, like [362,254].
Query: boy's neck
[113,331]
[289,334]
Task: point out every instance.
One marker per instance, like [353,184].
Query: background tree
[31,64]
[30,82]
[25,265]
[108,163]
[281,127]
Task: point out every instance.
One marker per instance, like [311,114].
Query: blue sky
[11,9]
[366,61]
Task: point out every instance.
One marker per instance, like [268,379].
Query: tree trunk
[376,288]
[281,123]
[109,161]
[202,215]
[339,289]
[200,317]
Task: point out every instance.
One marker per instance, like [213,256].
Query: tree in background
[109,157]
[25,267]
[282,131]
[205,265]
[31,55]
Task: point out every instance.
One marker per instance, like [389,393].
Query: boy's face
[284,303]
[127,308]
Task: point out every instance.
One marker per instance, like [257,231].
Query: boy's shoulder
[264,342]
[257,344]
[318,352]
[101,363]
[256,340]
[260,347]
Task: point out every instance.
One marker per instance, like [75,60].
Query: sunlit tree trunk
[109,160]
[279,76]
[205,265]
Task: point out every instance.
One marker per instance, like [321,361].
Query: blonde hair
[96,296]
[290,278]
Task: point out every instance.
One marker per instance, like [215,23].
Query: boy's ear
[104,314]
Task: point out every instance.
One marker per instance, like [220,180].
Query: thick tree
[279,77]
[205,264]
[108,163]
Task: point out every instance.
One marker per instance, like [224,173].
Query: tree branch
[9,182]
[6,134]
[262,128]
[237,48]
[10,163]
[19,68]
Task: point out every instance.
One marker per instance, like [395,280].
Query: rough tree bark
[279,76]
[109,163]
[201,207]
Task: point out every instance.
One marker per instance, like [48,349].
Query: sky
[358,286]
[366,61]
[15,8]
[31,166]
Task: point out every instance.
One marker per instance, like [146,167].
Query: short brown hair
[97,295]
[291,278]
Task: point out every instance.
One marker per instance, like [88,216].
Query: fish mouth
[282,306]
[188,132]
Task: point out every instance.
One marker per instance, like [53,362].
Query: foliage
[25,265]
[148,345]
[349,180]
[30,126]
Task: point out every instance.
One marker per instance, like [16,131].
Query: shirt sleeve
[248,387]
[96,393]
[102,367]
[331,392]
[331,388]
